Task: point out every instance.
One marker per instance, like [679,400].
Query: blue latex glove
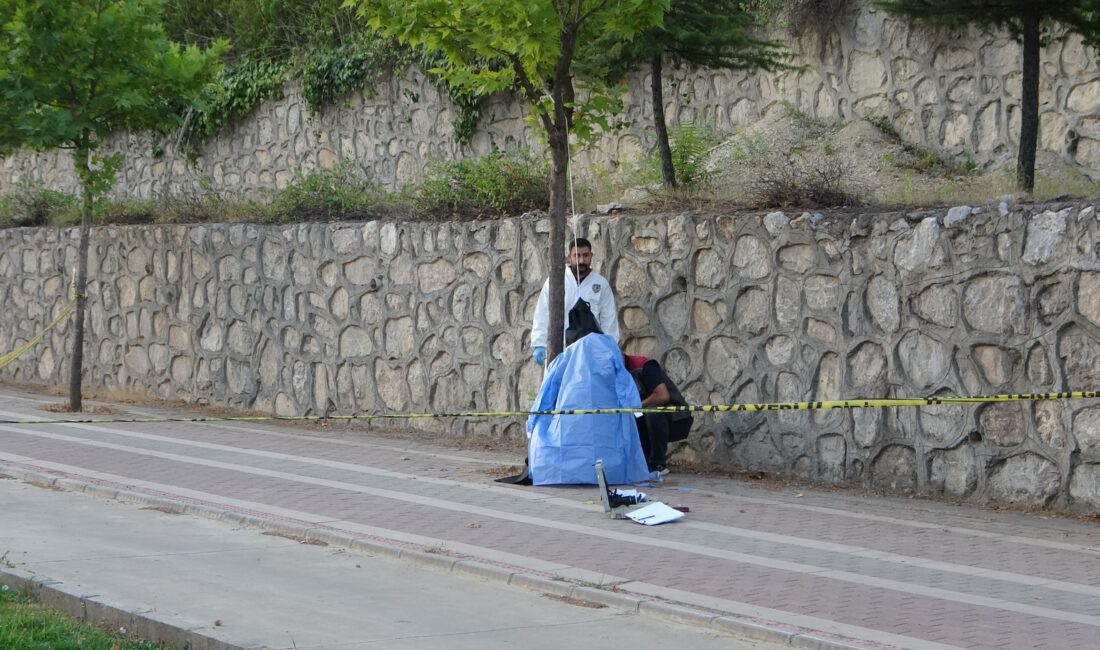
[540,355]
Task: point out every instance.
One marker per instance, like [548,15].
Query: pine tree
[1025,20]
[701,33]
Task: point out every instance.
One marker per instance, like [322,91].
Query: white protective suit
[594,289]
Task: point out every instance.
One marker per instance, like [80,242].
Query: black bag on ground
[582,322]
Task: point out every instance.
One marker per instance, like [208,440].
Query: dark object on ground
[523,478]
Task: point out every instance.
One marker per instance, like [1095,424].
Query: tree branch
[521,76]
[595,8]
[532,92]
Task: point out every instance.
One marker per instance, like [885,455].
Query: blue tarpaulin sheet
[563,449]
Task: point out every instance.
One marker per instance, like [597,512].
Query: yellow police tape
[17,352]
[706,408]
[68,309]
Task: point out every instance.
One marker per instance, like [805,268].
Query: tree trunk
[668,171]
[1029,105]
[81,160]
[559,170]
[558,125]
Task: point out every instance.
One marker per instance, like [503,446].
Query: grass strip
[27,625]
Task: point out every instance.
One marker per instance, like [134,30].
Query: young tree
[528,46]
[700,33]
[1025,20]
[72,73]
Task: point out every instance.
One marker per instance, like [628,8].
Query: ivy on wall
[333,73]
[324,45]
[327,76]
[319,42]
[236,90]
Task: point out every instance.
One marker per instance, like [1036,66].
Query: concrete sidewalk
[210,585]
[806,568]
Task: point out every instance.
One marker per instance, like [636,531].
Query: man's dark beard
[581,270]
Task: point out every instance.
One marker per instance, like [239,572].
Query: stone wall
[346,318]
[958,94]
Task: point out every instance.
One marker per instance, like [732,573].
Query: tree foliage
[1025,20]
[699,33]
[529,46]
[261,29]
[1079,15]
[72,73]
[320,43]
[494,45]
[705,34]
[76,71]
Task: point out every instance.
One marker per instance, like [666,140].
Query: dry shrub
[815,15]
[803,183]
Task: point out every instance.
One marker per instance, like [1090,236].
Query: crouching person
[656,430]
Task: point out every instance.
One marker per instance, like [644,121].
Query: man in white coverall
[581,282]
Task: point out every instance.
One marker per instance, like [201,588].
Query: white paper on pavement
[655,513]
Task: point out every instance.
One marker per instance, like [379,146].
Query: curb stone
[194,640]
[92,609]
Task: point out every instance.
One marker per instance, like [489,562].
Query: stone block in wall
[1088,297]
[866,370]
[1044,233]
[924,358]
[895,468]
[1088,155]
[787,303]
[1025,479]
[882,302]
[751,258]
[997,364]
[1084,98]
[709,268]
[673,315]
[1050,424]
[1086,432]
[995,303]
[1004,425]
[1084,487]
[938,305]
[821,293]
[1039,373]
[944,424]
[953,471]
[918,251]
[1054,298]
[1079,353]
[797,258]
[752,311]
[706,316]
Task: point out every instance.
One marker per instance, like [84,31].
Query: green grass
[884,126]
[29,205]
[512,182]
[344,192]
[690,145]
[977,190]
[500,184]
[26,625]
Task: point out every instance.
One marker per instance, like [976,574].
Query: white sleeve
[542,317]
[609,317]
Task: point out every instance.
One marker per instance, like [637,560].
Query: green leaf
[76,71]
